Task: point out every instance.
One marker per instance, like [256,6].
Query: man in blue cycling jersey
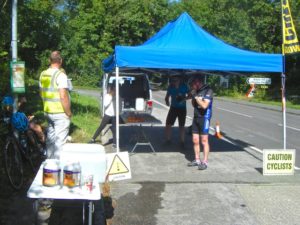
[178,91]
[202,99]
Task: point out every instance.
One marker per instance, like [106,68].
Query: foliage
[86,31]
[95,27]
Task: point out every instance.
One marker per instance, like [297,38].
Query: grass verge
[289,104]
[85,118]
[86,113]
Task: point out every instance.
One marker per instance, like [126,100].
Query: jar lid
[52,164]
[73,167]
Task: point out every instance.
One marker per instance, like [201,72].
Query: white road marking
[167,107]
[241,114]
[188,117]
[163,105]
[230,142]
[292,128]
[256,149]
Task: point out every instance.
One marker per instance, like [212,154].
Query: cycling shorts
[174,113]
[200,126]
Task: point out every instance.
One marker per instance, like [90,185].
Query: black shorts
[174,113]
[200,126]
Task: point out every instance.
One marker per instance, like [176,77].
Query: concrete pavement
[164,191]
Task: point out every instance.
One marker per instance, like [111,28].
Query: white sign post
[279,162]
[259,80]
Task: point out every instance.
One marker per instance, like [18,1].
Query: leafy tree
[95,27]
[39,32]
[5,12]
[86,31]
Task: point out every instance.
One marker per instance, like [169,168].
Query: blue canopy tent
[183,44]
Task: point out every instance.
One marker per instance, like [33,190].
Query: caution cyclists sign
[279,162]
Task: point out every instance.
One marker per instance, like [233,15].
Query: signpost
[253,81]
[17,78]
[251,91]
[259,80]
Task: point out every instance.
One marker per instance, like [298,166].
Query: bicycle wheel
[33,152]
[13,163]
[33,158]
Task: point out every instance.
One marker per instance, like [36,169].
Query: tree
[86,31]
[5,27]
[95,27]
[39,32]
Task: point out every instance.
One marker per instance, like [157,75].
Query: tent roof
[183,44]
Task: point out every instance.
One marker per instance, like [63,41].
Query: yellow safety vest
[49,92]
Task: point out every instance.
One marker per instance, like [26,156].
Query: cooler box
[139,104]
[91,157]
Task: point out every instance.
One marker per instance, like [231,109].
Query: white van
[135,92]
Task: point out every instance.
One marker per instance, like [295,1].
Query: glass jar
[72,175]
[51,173]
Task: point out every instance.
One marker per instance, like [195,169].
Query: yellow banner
[290,40]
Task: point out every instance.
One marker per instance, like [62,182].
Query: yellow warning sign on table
[118,166]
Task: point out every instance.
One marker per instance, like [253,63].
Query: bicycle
[12,156]
[18,146]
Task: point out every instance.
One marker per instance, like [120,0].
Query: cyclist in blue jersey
[202,100]
[178,91]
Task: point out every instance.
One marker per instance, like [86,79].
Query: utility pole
[14,42]
[14,36]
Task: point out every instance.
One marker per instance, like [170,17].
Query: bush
[85,80]
[5,76]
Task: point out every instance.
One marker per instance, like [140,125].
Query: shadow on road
[130,135]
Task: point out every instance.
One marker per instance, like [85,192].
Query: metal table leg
[142,140]
[36,211]
[91,209]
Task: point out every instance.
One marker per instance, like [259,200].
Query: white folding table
[38,191]
[93,161]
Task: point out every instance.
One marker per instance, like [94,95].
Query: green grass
[86,113]
[289,104]
[86,88]
[276,103]
[86,117]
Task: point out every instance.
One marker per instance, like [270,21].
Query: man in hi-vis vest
[57,106]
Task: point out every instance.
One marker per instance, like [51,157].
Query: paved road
[252,125]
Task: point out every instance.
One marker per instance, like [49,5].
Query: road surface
[251,125]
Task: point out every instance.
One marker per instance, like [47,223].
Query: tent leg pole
[283,109]
[117,110]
